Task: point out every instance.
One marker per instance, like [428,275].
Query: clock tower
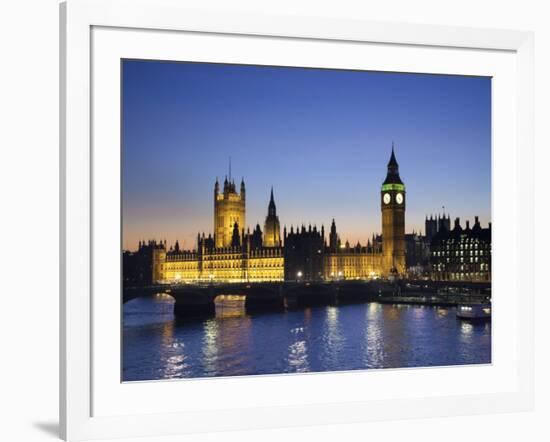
[392,200]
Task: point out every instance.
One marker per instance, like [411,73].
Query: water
[349,337]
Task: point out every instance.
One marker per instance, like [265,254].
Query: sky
[321,137]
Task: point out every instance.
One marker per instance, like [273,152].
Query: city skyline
[325,151]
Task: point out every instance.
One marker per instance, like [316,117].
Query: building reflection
[307,315]
[230,306]
[391,312]
[385,336]
[227,341]
[419,312]
[168,333]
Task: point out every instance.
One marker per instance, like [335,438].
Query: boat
[474,312]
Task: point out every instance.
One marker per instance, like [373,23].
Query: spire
[243,190]
[333,237]
[230,169]
[393,169]
[393,161]
[271,210]
[333,227]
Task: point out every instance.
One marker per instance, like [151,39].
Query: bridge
[199,299]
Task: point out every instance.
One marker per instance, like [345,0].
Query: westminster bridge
[199,299]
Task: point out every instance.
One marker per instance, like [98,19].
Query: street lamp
[298,275]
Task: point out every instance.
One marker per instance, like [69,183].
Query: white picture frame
[82,381]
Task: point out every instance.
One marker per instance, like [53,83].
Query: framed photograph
[286,221]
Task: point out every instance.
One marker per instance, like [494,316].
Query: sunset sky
[322,139]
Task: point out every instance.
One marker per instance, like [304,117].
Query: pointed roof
[392,176]
[271,210]
[393,161]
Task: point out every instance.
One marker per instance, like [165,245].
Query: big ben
[392,202]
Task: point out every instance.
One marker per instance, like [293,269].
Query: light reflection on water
[174,354]
[210,346]
[334,343]
[373,345]
[359,336]
[297,357]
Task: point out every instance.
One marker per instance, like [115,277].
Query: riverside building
[234,253]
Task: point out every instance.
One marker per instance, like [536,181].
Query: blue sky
[322,138]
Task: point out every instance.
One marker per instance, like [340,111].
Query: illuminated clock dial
[387,198]
[399,198]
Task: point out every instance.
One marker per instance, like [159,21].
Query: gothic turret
[236,237]
[333,237]
[256,239]
[243,190]
[444,222]
[272,229]
[229,208]
[271,210]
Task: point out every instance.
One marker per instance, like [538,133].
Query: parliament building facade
[234,253]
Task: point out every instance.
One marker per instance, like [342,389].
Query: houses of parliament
[235,253]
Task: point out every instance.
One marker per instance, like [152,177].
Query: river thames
[316,339]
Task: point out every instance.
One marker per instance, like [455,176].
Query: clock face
[387,198]
[399,198]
